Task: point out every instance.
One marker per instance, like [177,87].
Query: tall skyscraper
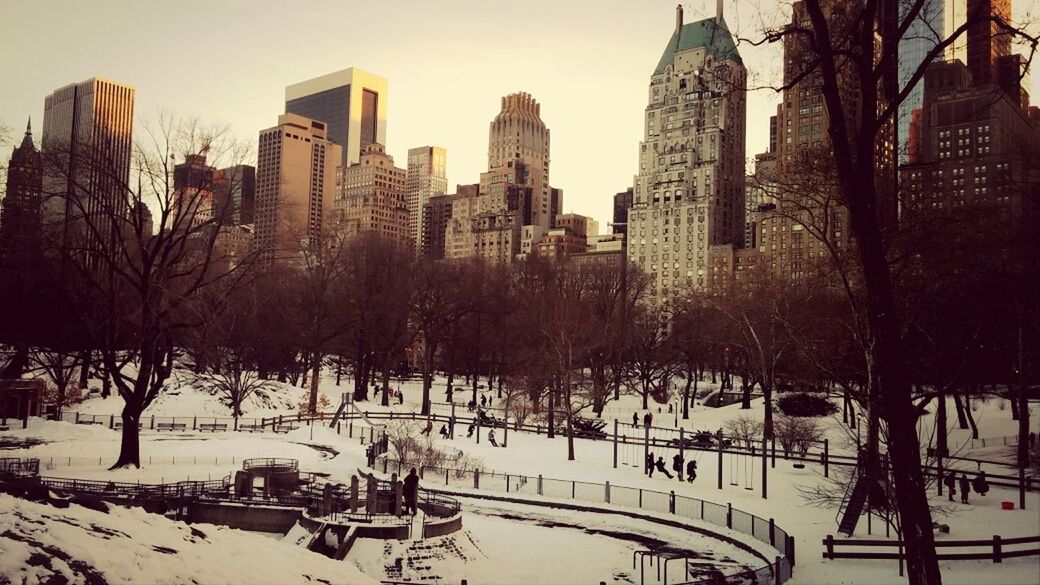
[295,185]
[20,207]
[352,105]
[426,177]
[87,139]
[936,20]
[622,202]
[518,133]
[193,183]
[235,196]
[370,197]
[436,215]
[987,40]
[689,193]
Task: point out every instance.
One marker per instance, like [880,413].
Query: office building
[426,178]
[370,198]
[295,186]
[352,105]
[518,133]
[87,143]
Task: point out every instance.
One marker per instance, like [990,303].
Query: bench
[285,428]
[170,426]
[119,424]
[251,428]
[89,422]
[213,427]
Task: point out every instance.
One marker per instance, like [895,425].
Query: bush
[796,435]
[589,428]
[806,405]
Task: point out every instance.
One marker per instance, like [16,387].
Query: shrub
[744,429]
[796,434]
[806,405]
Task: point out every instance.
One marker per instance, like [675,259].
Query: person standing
[965,488]
[635,419]
[400,396]
[648,419]
[980,484]
[650,464]
[491,438]
[951,484]
[411,492]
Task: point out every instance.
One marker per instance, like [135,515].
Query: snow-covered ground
[520,546]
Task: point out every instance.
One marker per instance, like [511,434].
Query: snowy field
[498,547]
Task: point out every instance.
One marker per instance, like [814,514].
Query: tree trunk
[312,402]
[941,443]
[962,419]
[385,399]
[84,368]
[686,394]
[130,444]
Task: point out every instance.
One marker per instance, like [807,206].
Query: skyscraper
[518,133]
[295,185]
[689,193]
[936,20]
[87,135]
[987,40]
[370,197]
[352,105]
[235,195]
[20,207]
[425,178]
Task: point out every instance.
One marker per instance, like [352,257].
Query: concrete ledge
[442,526]
[257,518]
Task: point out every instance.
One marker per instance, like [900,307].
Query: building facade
[436,216]
[20,207]
[295,186]
[689,193]
[426,177]
[235,194]
[518,133]
[489,220]
[370,198]
[87,142]
[352,104]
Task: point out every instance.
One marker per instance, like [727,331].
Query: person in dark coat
[444,431]
[400,397]
[980,484]
[691,470]
[483,400]
[648,419]
[677,465]
[662,469]
[951,484]
[650,464]
[964,487]
[411,492]
[635,419]
[469,431]
[428,429]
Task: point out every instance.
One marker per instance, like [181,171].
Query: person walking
[635,419]
[490,398]
[411,492]
[400,396]
[483,400]
[951,484]
[491,438]
[429,428]
[677,465]
[648,419]
[444,431]
[650,464]
[469,431]
[691,470]
[662,469]
[965,488]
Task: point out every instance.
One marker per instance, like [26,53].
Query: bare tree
[140,282]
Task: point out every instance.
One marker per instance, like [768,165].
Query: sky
[448,64]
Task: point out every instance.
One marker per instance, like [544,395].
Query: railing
[995,549]
[272,463]
[18,467]
[763,530]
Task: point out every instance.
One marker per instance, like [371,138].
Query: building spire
[718,9]
[27,141]
[678,18]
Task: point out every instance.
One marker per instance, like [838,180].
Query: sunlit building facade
[426,177]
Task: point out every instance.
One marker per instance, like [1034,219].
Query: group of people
[485,401]
[677,467]
[648,419]
[952,483]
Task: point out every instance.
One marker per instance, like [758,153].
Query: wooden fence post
[729,515]
[829,542]
[826,458]
[772,533]
[606,491]
[998,553]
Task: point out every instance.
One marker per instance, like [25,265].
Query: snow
[39,542]
[503,548]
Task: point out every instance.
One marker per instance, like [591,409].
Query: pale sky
[448,63]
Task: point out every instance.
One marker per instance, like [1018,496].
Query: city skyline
[611,55]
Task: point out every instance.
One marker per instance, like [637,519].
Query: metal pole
[765,470]
[719,442]
[646,447]
[615,443]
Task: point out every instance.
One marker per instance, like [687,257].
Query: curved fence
[724,516]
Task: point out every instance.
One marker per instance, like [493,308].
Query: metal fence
[724,516]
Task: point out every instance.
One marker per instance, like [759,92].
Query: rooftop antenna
[718,9]
[678,18]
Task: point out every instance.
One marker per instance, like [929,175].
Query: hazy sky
[448,63]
